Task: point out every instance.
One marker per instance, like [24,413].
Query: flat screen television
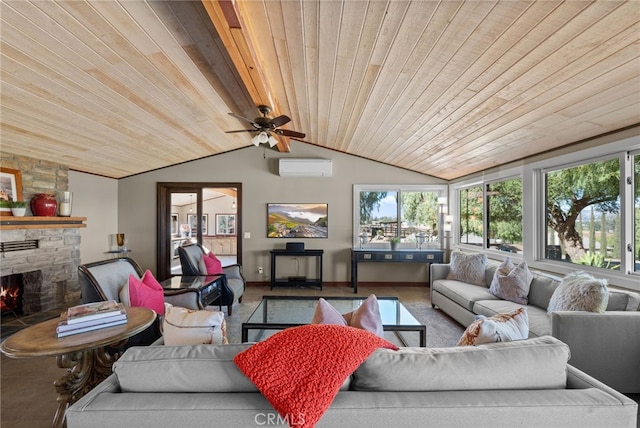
[297,220]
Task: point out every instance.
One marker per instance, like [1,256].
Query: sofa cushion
[539,321]
[511,282]
[539,363]
[300,369]
[580,291]
[209,264]
[188,369]
[182,326]
[468,267]
[623,300]
[541,289]
[503,327]
[462,293]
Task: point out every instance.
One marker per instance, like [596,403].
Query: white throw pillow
[512,282]
[498,328]
[468,267]
[580,291]
[182,326]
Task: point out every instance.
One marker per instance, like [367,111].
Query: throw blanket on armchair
[300,369]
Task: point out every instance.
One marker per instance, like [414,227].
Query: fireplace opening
[11,294]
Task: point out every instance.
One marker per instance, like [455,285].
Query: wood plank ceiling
[444,88]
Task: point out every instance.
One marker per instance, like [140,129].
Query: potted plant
[18,208]
[394,242]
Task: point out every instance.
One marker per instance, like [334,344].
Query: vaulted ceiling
[444,88]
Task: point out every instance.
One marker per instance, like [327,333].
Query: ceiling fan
[265,126]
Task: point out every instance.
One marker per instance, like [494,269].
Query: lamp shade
[272,141]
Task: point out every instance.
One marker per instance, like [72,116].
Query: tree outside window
[504,215]
[471,215]
[583,214]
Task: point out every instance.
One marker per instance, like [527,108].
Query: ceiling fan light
[263,137]
[256,140]
[272,141]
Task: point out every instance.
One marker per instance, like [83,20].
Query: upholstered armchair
[103,280]
[233,285]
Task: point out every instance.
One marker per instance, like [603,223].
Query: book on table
[93,311]
[74,329]
[64,325]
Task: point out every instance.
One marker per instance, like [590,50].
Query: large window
[582,206]
[504,215]
[408,213]
[471,215]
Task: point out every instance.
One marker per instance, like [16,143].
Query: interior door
[206,213]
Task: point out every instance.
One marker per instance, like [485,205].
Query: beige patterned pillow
[512,282]
[468,267]
[498,328]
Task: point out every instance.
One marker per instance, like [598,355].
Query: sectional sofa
[604,345]
[522,383]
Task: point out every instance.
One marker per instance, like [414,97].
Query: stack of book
[91,316]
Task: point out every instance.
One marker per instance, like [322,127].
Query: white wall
[96,198]
[261,184]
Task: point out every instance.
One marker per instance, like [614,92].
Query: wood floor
[28,394]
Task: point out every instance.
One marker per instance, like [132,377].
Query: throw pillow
[580,291]
[468,267]
[512,282]
[366,317]
[300,369]
[498,328]
[182,326]
[210,264]
[144,292]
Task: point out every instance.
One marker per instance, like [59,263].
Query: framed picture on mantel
[10,189]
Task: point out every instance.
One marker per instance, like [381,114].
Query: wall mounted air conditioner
[306,167]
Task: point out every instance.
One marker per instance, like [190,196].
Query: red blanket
[300,369]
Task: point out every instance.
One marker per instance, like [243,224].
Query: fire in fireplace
[11,292]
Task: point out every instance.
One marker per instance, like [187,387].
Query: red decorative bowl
[44,205]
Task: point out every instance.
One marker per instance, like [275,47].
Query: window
[504,215]
[582,208]
[471,215]
[410,213]
[636,212]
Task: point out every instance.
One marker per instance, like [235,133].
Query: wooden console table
[83,355]
[391,256]
[296,282]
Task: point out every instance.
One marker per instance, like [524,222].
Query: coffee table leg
[85,369]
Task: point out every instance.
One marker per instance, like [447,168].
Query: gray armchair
[233,285]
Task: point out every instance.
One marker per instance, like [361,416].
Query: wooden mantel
[16,223]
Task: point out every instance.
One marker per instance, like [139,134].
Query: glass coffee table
[276,313]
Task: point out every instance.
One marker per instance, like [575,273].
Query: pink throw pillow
[212,263]
[146,292]
[366,317]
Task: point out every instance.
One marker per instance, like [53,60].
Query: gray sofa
[523,383]
[604,345]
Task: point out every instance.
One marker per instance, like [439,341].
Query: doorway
[206,213]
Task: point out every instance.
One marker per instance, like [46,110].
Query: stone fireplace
[45,261]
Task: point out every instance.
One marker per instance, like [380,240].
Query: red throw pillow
[146,292]
[300,369]
[212,263]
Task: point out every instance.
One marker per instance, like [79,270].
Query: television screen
[297,220]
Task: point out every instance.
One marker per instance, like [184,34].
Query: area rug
[442,331]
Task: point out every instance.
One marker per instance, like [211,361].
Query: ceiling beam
[229,25]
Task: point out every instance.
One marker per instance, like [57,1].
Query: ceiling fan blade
[240,130]
[279,121]
[237,116]
[287,133]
